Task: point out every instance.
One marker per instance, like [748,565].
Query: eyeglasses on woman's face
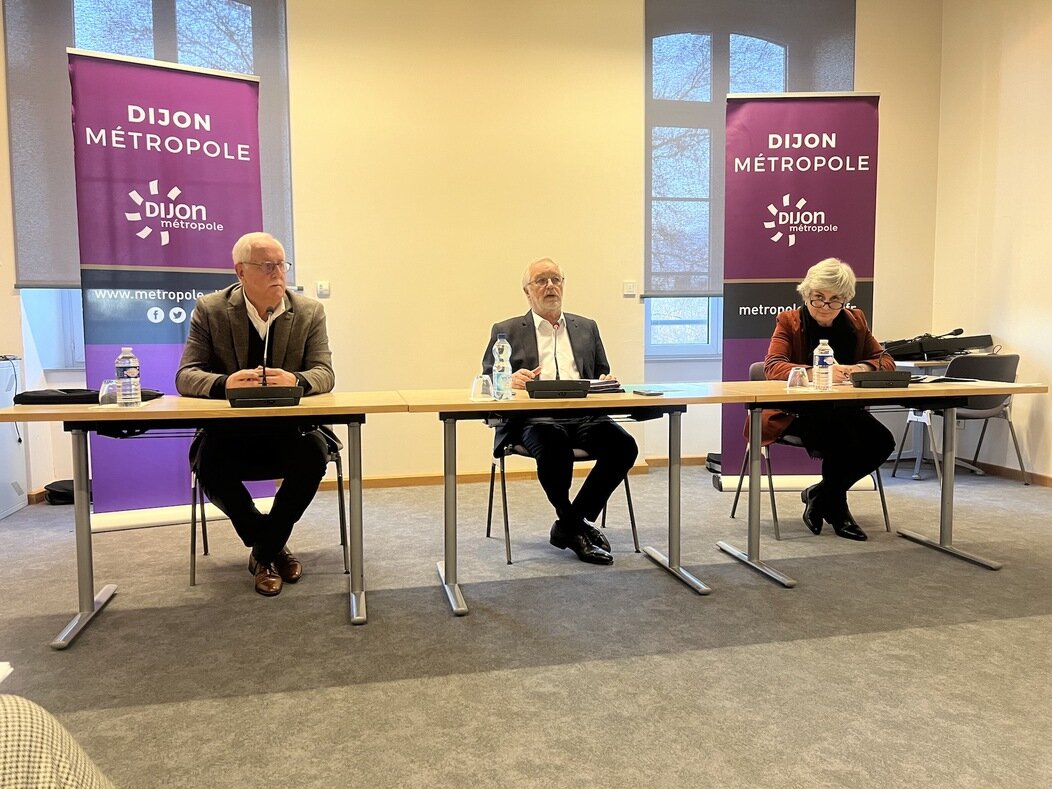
[834,304]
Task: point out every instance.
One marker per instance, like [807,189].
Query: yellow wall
[10,315]
[897,55]
[992,243]
[437,148]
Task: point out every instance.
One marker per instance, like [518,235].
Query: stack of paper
[604,387]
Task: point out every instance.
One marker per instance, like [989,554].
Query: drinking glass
[108,392]
[797,379]
[482,388]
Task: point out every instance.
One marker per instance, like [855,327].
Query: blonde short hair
[829,274]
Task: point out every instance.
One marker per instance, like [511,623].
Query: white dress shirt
[553,349]
[261,324]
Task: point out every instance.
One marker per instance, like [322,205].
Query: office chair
[756,373]
[984,367]
[579,456]
[197,497]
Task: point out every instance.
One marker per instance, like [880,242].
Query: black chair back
[985,367]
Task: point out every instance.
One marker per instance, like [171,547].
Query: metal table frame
[447,570]
[91,603]
[949,405]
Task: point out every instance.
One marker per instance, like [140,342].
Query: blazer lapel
[577,344]
[238,317]
[530,354]
[279,337]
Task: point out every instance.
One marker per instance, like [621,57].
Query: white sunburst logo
[791,218]
[164,213]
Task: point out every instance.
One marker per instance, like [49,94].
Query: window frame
[804,28]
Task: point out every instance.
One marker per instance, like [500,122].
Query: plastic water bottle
[822,374]
[502,368]
[129,393]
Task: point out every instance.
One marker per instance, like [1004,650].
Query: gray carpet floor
[888,665]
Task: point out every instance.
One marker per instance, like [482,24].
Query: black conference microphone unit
[266,345]
[264,396]
[938,346]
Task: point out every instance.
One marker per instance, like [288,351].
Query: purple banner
[801,186]
[167,173]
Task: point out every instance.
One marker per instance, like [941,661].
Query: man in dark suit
[548,343]
[224,350]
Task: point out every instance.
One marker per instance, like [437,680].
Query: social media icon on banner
[155,314]
[177,314]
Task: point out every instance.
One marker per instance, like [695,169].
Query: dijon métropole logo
[792,217]
[163,214]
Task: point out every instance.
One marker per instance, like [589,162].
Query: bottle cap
[501,337]
[126,349]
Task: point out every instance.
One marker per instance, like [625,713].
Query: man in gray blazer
[224,350]
[548,343]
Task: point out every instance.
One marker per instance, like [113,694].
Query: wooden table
[453,405]
[945,396]
[347,408]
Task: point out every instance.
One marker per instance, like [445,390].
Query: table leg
[356,597]
[448,575]
[752,557]
[671,563]
[920,444]
[949,457]
[89,603]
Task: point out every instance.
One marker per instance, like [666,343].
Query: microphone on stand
[555,335]
[955,333]
[265,395]
[266,344]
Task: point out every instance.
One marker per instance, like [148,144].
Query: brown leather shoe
[268,582]
[288,566]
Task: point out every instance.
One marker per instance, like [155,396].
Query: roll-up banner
[167,178]
[801,186]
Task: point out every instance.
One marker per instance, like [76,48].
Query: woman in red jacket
[850,441]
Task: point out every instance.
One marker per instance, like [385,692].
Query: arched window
[698,51]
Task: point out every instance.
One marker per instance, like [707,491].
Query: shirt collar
[542,324]
[261,323]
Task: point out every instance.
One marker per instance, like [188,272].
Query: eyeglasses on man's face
[543,280]
[268,267]
[833,305]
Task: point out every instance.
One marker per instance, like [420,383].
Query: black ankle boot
[812,510]
[843,523]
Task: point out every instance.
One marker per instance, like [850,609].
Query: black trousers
[850,442]
[552,445]
[225,457]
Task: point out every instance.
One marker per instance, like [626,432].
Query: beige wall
[992,248]
[437,148]
[10,314]
[897,55]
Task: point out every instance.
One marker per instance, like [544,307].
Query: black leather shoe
[812,515]
[596,537]
[579,544]
[844,525]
